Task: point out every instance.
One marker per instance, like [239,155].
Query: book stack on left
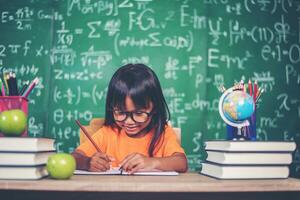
[248,159]
[24,157]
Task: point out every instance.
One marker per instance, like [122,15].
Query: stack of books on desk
[248,159]
[24,157]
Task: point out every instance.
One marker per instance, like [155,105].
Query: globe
[235,107]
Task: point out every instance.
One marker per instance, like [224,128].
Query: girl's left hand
[135,162]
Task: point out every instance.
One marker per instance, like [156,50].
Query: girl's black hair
[141,84]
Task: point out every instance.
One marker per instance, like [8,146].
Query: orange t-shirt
[119,145]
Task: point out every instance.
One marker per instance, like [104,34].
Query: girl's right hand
[100,162]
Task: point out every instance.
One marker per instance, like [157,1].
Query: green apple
[61,165]
[13,122]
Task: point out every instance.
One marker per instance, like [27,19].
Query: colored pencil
[222,88]
[23,88]
[5,81]
[2,88]
[258,91]
[14,85]
[88,135]
[241,85]
[8,81]
[30,87]
[255,91]
[250,87]
[258,96]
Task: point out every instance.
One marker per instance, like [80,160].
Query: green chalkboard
[74,47]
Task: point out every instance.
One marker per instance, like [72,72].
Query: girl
[135,135]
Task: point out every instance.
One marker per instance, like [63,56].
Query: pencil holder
[251,131]
[13,116]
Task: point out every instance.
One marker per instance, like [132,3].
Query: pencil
[258,96]
[2,88]
[241,85]
[24,88]
[87,135]
[30,87]
[5,81]
[255,90]
[258,91]
[222,88]
[8,81]
[250,87]
[14,85]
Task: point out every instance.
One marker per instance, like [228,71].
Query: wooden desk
[188,186]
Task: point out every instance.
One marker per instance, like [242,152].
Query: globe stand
[238,125]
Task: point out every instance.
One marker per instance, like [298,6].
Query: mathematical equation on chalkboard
[74,46]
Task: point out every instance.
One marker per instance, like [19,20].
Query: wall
[74,46]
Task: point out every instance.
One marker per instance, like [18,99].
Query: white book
[24,159]
[249,158]
[244,171]
[117,171]
[26,144]
[263,146]
[30,173]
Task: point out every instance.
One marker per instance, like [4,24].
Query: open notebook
[117,171]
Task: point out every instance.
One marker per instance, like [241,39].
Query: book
[117,171]
[257,146]
[24,172]
[24,158]
[249,158]
[26,144]
[244,172]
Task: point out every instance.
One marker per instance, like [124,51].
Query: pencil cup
[13,116]
[251,130]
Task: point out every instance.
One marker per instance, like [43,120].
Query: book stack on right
[248,159]
[24,157]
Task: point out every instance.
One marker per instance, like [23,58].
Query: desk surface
[188,182]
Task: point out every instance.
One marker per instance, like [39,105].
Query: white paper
[116,171]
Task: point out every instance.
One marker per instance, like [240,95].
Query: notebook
[117,171]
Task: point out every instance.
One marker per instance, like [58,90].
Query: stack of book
[248,159]
[24,157]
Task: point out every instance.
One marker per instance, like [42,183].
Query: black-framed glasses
[136,116]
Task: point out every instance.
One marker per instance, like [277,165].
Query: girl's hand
[135,162]
[100,162]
